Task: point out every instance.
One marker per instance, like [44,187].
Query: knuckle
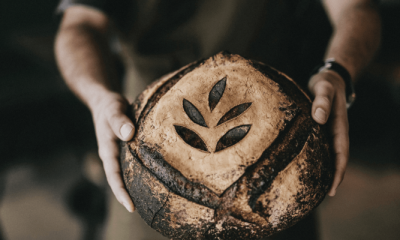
[341,169]
[114,116]
[341,131]
[324,85]
[324,100]
[101,154]
[341,115]
[116,172]
[117,120]
[341,159]
[104,154]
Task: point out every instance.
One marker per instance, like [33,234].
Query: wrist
[99,96]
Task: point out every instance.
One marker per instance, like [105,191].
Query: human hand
[330,103]
[111,125]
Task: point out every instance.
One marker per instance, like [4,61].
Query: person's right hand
[111,125]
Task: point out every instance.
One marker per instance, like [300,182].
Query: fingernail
[126,129]
[320,114]
[332,193]
[129,207]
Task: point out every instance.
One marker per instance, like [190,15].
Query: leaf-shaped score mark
[193,113]
[232,137]
[234,112]
[216,93]
[191,138]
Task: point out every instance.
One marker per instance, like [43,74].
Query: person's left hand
[330,104]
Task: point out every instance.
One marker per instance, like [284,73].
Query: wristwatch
[331,64]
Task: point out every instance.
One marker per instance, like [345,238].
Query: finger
[108,152]
[321,107]
[341,145]
[121,125]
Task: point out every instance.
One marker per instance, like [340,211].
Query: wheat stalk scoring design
[230,138]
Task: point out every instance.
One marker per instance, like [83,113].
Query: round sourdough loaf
[225,148]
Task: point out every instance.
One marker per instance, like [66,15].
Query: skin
[355,40]
[85,62]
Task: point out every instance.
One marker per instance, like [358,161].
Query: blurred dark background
[47,140]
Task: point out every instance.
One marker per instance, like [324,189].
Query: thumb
[322,104]
[122,126]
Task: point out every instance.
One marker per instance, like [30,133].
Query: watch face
[216,122]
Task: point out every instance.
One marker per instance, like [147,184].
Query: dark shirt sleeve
[120,11]
[373,1]
[97,4]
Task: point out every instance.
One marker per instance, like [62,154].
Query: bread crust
[264,165]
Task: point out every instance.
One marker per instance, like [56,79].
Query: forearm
[356,36]
[85,62]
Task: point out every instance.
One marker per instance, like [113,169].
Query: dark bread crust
[148,194]
[174,180]
[242,211]
[313,176]
[232,228]
[157,205]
